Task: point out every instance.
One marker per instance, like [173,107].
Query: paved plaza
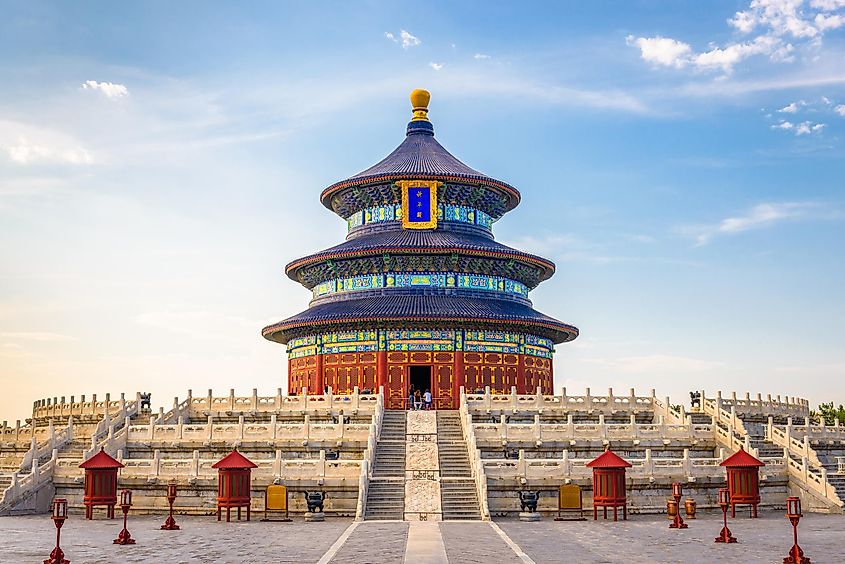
[505,541]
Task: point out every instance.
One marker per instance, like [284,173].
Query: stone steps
[385,500]
[459,500]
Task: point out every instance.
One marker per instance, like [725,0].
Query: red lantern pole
[170,523]
[677,493]
[793,513]
[725,535]
[125,503]
[59,516]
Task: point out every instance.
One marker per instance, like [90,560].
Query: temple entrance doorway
[420,377]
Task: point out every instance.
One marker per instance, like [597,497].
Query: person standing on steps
[417,400]
[411,397]
[427,399]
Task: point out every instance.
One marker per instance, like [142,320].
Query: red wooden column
[458,379]
[520,375]
[609,484]
[743,480]
[100,483]
[381,370]
[319,382]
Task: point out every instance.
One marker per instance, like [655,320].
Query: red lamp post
[170,523]
[125,503]
[793,513]
[724,501]
[59,516]
[677,493]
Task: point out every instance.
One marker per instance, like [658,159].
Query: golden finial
[419,101]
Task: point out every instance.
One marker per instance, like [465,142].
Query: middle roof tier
[404,250]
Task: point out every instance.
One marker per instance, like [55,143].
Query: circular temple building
[420,294]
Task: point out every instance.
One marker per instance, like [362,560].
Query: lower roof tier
[312,269]
[401,310]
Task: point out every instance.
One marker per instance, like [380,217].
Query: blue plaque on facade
[419,204]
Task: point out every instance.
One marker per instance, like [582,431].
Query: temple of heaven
[420,294]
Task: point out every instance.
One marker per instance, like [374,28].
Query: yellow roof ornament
[419,101]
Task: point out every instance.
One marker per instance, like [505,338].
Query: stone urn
[671,509]
[689,507]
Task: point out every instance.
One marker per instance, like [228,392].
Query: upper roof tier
[418,157]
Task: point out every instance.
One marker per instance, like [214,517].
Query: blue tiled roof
[424,242]
[421,309]
[421,156]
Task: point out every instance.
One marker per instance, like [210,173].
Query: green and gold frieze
[445,212]
[413,340]
[477,282]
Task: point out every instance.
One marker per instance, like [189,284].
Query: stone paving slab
[647,539]
[374,542]
[475,543]
[31,538]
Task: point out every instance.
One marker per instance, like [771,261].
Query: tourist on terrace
[417,400]
[411,397]
[427,398]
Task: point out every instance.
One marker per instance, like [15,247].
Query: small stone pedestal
[315,517]
[529,517]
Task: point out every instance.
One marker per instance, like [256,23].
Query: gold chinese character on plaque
[420,196]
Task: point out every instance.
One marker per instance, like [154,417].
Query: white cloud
[408,40]
[758,217]
[824,22]
[840,109]
[436,66]
[25,144]
[779,25]
[783,125]
[109,89]
[480,56]
[827,5]
[807,127]
[390,36]
[662,50]
[790,109]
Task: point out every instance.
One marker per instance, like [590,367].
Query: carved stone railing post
[277,463]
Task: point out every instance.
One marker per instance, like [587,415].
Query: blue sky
[681,162]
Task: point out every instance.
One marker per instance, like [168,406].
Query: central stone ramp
[459,499]
[386,490]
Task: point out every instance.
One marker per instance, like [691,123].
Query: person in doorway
[427,399]
[417,400]
[411,398]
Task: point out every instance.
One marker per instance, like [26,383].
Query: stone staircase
[699,418]
[5,482]
[838,483]
[458,496]
[386,490]
[757,440]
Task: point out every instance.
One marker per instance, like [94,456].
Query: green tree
[831,413]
